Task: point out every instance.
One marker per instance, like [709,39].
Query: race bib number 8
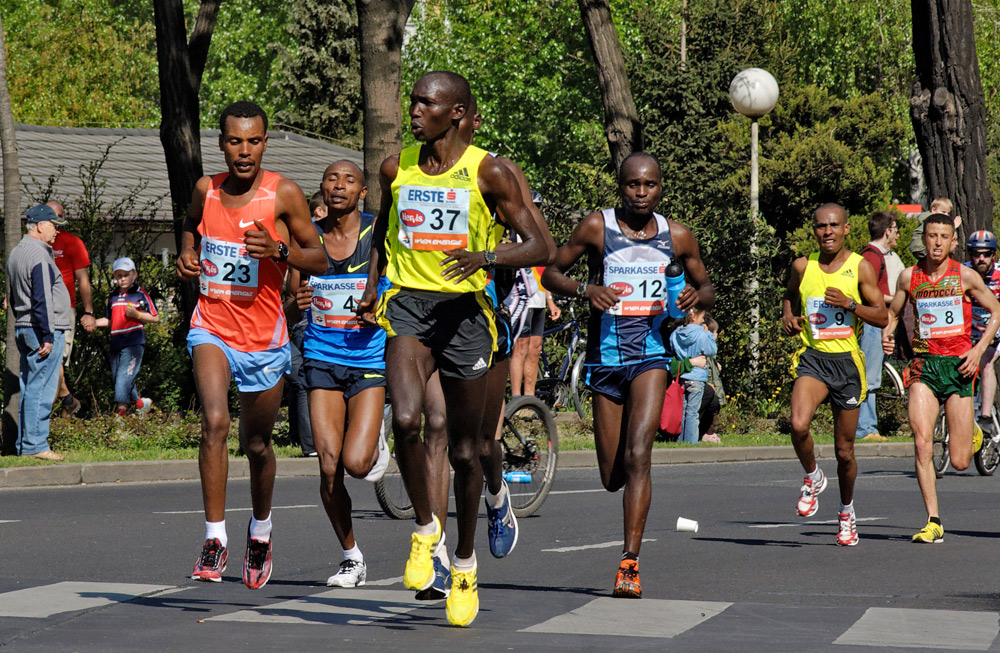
[828,322]
[334,301]
[433,219]
[641,287]
[227,271]
[940,317]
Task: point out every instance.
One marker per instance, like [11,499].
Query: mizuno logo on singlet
[462,175]
[355,268]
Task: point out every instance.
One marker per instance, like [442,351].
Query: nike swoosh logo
[374,376]
[355,268]
[244,225]
[271,370]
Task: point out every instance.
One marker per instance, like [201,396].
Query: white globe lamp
[753,92]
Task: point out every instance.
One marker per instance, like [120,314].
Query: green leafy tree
[318,82]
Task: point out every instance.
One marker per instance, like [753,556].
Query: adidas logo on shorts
[480,365]
[852,401]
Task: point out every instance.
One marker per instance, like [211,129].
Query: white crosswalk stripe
[344,607]
[646,618]
[70,596]
[912,628]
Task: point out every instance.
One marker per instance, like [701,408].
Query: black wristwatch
[491,258]
[853,306]
[282,251]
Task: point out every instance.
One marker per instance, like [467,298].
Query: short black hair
[879,222]
[242,109]
[458,86]
[939,218]
[637,155]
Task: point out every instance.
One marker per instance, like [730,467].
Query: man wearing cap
[73,262]
[39,303]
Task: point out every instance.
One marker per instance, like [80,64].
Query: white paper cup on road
[686,525]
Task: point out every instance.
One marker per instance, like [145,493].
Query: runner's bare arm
[587,237]
[305,251]
[500,189]
[699,290]
[376,260]
[188,264]
[894,309]
[791,322]
[873,310]
[974,285]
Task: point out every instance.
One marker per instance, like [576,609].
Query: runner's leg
[465,400]
[923,407]
[845,425]
[609,440]
[327,412]
[807,394]
[258,411]
[491,455]
[960,412]
[212,377]
[643,418]
[436,441]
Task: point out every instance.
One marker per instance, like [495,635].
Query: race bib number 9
[980,316]
[828,322]
[940,317]
[433,219]
[227,271]
[334,301]
[641,288]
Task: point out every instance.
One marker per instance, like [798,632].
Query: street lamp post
[754,92]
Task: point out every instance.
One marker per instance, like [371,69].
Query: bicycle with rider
[982,249]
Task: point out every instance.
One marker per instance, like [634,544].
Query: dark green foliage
[318,86]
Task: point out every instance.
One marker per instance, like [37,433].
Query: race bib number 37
[433,219]
[641,288]
[227,271]
[940,317]
[828,322]
[334,301]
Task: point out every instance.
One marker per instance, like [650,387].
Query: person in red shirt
[73,261]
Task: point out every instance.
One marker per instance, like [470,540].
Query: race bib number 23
[227,271]
[432,218]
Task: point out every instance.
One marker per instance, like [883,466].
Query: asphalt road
[104,567]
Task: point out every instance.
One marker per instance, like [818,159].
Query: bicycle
[556,386]
[987,459]
[529,440]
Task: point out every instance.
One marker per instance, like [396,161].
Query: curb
[187,470]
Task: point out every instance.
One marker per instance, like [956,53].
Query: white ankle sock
[216,530]
[849,508]
[261,530]
[354,553]
[464,564]
[495,501]
[426,529]
[815,474]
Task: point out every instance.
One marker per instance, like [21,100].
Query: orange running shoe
[627,585]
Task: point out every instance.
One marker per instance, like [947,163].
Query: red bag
[672,415]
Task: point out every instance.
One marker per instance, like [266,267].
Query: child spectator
[715,394]
[128,310]
[689,340]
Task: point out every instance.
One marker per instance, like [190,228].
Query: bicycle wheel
[582,400]
[939,453]
[988,457]
[892,382]
[530,444]
[389,490]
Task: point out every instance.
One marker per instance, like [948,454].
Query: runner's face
[640,186]
[343,187]
[938,241]
[243,142]
[432,110]
[982,260]
[830,228]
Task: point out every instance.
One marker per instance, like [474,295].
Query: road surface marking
[820,522]
[602,545]
[70,596]
[937,629]
[201,510]
[576,491]
[386,581]
[646,618]
[10,521]
[345,607]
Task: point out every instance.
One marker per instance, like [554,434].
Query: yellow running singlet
[828,328]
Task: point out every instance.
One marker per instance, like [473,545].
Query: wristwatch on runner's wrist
[853,306]
[491,258]
[282,251]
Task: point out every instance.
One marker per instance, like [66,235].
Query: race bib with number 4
[641,287]
[940,317]
[227,271]
[334,301]
[828,322]
[432,218]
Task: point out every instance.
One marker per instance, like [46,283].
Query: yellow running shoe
[977,438]
[931,533]
[462,605]
[419,574]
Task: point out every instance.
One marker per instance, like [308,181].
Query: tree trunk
[380,41]
[180,68]
[948,109]
[12,235]
[621,121]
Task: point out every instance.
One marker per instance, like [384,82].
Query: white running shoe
[810,491]
[378,469]
[351,574]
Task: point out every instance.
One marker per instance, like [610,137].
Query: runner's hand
[304,296]
[792,324]
[461,264]
[888,345]
[687,298]
[970,361]
[188,265]
[365,307]
[836,297]
[601,297]
[259,242]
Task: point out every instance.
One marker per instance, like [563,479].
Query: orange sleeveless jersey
[240,298]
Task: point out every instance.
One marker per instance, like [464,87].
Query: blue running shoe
[503,526]
[441,586]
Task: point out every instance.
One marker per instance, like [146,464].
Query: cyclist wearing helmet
[982,249]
